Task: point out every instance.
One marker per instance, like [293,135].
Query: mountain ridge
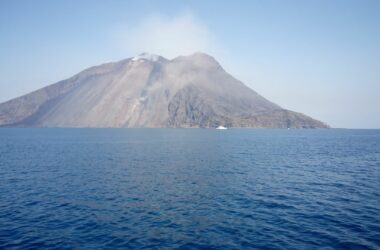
[151,91]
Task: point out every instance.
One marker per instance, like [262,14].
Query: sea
[189,189]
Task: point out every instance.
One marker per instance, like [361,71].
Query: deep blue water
[189,188]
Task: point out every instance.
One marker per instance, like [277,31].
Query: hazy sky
[321,57]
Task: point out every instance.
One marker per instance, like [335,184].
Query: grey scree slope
[151,91]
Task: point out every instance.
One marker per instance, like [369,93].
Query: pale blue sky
[321,58]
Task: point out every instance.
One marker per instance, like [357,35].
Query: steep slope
[150,91]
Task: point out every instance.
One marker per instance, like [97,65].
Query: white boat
[221,127]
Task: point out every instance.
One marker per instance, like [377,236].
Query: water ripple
[189,189]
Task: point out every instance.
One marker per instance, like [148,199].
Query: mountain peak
[199,60]
[201,54]
[197,55]
[146,56]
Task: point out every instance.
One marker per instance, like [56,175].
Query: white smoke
[168,36]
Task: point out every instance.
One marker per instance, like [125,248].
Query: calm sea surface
[189,188]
